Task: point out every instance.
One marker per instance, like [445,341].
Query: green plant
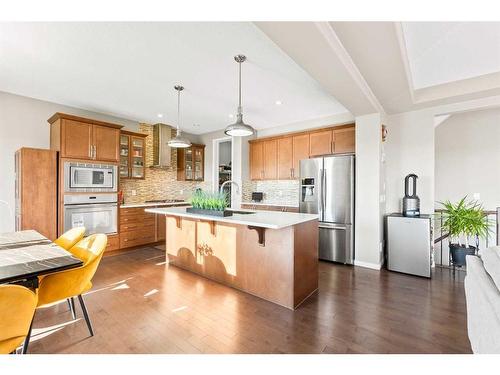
[209,201]
[465,219]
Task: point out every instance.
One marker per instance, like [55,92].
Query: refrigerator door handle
[323,184]
[332,226]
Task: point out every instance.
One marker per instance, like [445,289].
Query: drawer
[113,243]
[137,218]
[139,212]
[137,238]
[127,226]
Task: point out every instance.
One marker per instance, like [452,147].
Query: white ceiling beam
[317,49]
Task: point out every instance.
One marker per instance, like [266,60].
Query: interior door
[106,142]
[338,189]
[77,139]
[285,158]
[256,161]
[270,159]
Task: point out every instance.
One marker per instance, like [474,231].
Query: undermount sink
[242,212]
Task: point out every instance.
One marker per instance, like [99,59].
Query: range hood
[161,151]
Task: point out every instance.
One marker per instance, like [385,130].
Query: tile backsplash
[284,192]
[158,183]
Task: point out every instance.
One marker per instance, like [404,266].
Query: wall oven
[84,177]
[98,213]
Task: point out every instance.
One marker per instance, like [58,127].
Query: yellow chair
[75,282]
[17,307]
[70,238]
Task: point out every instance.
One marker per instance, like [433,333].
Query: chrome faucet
[229,182]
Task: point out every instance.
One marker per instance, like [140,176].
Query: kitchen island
[272,255]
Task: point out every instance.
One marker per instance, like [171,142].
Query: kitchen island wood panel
[283,271]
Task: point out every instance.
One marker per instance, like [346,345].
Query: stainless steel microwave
[83,177]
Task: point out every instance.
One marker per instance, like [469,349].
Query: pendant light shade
[239,128]
[179,141]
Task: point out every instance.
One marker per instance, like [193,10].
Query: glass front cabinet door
[132,155]
[190,163]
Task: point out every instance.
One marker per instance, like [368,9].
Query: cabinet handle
[90,151]
[291,172]
[95,151]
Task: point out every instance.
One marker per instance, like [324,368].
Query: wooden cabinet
[77,140]
[345,140]
[132,155]
[161,227]
[279,157]
[85,139]
[105,142]
[285,158]
[300,151]
[270,159]
[137,227]
[256,161]
[191,163]
[113,242]
[321,143]
[36,191]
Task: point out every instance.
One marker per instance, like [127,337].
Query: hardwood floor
[141,305]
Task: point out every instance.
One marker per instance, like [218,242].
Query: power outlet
[134,193]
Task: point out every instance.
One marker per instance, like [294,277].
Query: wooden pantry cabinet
[84,139]
[278,158]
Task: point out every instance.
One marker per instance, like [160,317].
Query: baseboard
[373,266]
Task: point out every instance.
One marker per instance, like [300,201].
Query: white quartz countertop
[262,219]
[153,204]
[269,204]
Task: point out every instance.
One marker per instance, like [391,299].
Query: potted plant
[213,204]
[463,220]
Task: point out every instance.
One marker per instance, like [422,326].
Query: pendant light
[179,141]
[239,128]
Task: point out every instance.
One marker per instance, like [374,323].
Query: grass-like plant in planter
[463,220]
[207,203]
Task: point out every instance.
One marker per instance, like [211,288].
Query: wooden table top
[27,254]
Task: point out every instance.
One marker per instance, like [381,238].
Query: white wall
[409,148]
[368,221]
[467,150]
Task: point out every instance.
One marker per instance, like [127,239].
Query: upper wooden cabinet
[321,143]
[257,161]
[285,158]
[278,158]
[300,151]
[132,155]
[81,138]
[345,140]
[191,163]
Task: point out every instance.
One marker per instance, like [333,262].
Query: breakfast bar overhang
[272,255]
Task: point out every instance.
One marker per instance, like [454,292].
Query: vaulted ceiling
[129,70]
[396,66]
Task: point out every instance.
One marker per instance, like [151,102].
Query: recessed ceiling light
[230,115]
[278,102]
[160,115]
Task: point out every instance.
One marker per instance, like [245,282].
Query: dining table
[26,255]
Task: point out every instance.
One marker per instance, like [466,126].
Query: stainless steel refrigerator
[327,189]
